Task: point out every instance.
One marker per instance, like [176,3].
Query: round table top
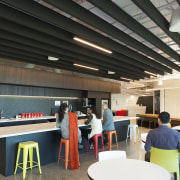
[176,128]
[127,169]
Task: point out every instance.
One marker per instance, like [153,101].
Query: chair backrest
[107,155]
[168,159]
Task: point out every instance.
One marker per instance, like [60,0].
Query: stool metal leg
[110,141]
[66,155]
[38,158]
[102,143]
[31,157]
[142,147]
[59,153]
[134,129]
[138,134]
[116,141]
[25,156]
[17,160]
[127,134]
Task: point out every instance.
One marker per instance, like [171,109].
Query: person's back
[108,120]
[96,126]
[162,137]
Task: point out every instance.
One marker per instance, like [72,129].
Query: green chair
[168,159]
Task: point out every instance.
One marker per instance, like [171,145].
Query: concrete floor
[52,172]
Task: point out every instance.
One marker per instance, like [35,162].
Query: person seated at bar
[162,137]
[94,119]
[63,122]
[108,120]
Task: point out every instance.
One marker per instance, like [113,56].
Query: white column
[162,100]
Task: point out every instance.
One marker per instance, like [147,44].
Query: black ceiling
[30,32]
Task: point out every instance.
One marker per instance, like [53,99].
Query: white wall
[119,101]
[172,101]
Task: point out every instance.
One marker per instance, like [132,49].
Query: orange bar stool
[96,149]
[110,133]
[66,142]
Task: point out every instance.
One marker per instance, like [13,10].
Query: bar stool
[132,128]
[27,146]
[95,150]
[110,133]
[66,142]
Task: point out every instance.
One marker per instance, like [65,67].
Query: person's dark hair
[62,109]
[94,111]
[164,117]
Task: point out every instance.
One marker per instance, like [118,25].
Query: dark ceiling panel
[84,15]
[178,2]
[38,55]
[36,44]
[11,27]
[150,10]
[117,13]
[62,21]
[54,65]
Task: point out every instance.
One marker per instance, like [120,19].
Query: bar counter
[175,121]
[48,138]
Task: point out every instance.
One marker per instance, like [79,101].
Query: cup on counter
[41,114]
[32,115]
[37,115]
[23,115]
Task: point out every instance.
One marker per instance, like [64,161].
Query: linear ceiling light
[147,72]
[126,79]
[175,21]
[53,58]
[92,45]
[87,67]
[111,72]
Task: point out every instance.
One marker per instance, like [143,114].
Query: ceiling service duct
[175,21]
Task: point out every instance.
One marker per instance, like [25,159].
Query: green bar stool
[27,146]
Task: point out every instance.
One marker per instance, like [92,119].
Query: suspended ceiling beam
[41,57]
[32,43]
[68,24]
[151,11]
[54,65]
[11,27]
[117,13]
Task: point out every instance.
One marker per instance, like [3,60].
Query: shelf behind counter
[44,119]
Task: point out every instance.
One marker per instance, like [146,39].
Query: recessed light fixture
[87,67]
[111,72]
[53,58]
[126,79]
[147,72]
[92,45]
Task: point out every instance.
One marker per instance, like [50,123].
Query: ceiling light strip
[92,45]
[87,67]
[126,79]
[147,72]
[53,58]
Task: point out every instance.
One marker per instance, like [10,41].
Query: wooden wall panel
[23,76]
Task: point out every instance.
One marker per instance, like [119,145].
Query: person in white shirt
[94,119]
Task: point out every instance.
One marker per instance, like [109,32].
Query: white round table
[177,128]
[127,169]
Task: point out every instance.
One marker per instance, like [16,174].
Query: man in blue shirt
[162,137]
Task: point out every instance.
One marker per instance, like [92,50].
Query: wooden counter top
[156,116]
[34,128]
